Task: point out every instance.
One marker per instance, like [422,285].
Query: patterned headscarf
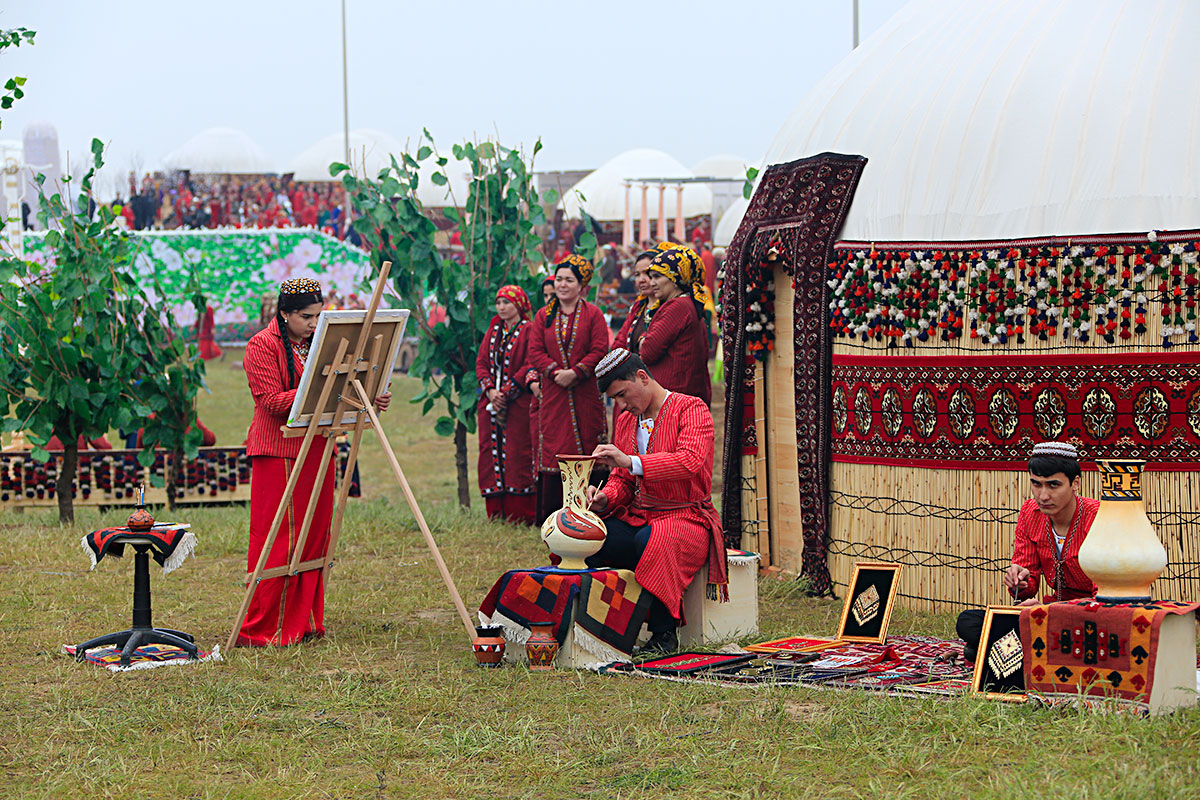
[684,267]
[516,295]
[583,270]
[299,286]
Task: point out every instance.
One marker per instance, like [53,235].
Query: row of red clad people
[539,398]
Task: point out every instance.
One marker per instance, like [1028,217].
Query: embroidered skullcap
[583,270]
[1055,450]
[684,267]
[299,286]
[611,361]
[516,295]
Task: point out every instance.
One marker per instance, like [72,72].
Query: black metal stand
[142,632]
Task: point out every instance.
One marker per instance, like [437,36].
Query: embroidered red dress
[673,496]
[505,449]
[1034,549]
[571,420]
[675,349]
[286,608]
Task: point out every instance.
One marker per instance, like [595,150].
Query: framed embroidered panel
[1000,664]
[869,601]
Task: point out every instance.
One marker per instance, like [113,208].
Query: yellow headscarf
[681,264]
[583,270]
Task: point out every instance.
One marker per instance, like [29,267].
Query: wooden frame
[998,623]
[860,621]
[332,327]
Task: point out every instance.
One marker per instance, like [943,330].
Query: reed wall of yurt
[949,361]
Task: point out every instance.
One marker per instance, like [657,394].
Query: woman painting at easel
[285,609]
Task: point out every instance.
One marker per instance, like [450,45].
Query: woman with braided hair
[505,453]
[568,339]
[285,609]
[675,345]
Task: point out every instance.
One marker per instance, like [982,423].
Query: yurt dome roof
[365,143]
[729,223]
[1014,119]
[218,151]
[604,189]
[721,166]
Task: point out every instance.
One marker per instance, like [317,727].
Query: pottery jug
[488,645]
[573,532]
[140,520]
[541,647]
[1122,554]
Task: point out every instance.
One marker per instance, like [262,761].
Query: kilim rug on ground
[148,656]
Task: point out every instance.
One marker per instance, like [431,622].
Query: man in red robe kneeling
[657,503]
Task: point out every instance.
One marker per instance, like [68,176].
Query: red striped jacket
[267,374]
[1034,550]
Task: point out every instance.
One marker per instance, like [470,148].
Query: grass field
[390,704]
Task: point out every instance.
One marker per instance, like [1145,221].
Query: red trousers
[518,508]
[287,608]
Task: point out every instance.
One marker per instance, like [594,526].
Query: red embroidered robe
[505,451]
[570,421]
[673,495]
[675,349]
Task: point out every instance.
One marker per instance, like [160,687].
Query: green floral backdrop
[239,268]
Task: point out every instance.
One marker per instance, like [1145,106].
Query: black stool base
[129,641]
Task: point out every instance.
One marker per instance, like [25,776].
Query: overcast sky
[591,79]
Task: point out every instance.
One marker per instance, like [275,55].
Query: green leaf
[439,179]
[444,426]
[487,150]
[335,169]
[550,197]
[424,152]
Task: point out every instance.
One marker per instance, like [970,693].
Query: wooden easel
[345,377]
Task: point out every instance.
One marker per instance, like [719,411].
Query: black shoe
[661,644]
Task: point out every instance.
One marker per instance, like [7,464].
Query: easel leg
[412,503]
[313,499]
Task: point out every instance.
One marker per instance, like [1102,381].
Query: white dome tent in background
[730,221]
[604,189]
[370,151]
[219,151]
[1016,119]
[721,166]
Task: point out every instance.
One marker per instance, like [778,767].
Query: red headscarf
[516,295]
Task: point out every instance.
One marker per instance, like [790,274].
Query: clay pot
[541,647]
[488,645]
[140,520]
[1122,554]
[573,532]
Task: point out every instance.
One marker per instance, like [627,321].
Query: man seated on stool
[657,502]
[1051,527]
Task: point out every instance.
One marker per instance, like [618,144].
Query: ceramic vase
[1122,554]
[541,647]
[573,532]
[140,520]
[488,645]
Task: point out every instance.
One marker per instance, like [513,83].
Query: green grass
[391,705]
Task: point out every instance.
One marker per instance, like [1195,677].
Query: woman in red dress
[675,345]
[643,308]
[505,452]
[569,337]
[209,349]
[285,609]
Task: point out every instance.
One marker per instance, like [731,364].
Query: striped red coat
[675,349]
[570,421]
[673,495]
[505,452]
[1033,549]
[267,374]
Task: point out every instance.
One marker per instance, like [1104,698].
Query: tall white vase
[573,532]
[1122,554]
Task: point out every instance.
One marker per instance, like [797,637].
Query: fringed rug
[148,656]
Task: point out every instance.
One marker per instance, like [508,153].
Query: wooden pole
[412,503]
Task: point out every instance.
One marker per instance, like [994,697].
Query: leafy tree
[82,347]
[14,87]
[496,222]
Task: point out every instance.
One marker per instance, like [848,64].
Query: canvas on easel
[332,327]
[342,380]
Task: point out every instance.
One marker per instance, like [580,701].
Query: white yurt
[220,151]
[722,165]
[602,193]
[370,151]
[730,221]
[979,231]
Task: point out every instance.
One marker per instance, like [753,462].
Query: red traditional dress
[674,496]
[675,349]
[209,348]
[633,328]
[287,608]
[1034,549]
[570,421]
[506,477]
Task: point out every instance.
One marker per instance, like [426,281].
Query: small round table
[142,631]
